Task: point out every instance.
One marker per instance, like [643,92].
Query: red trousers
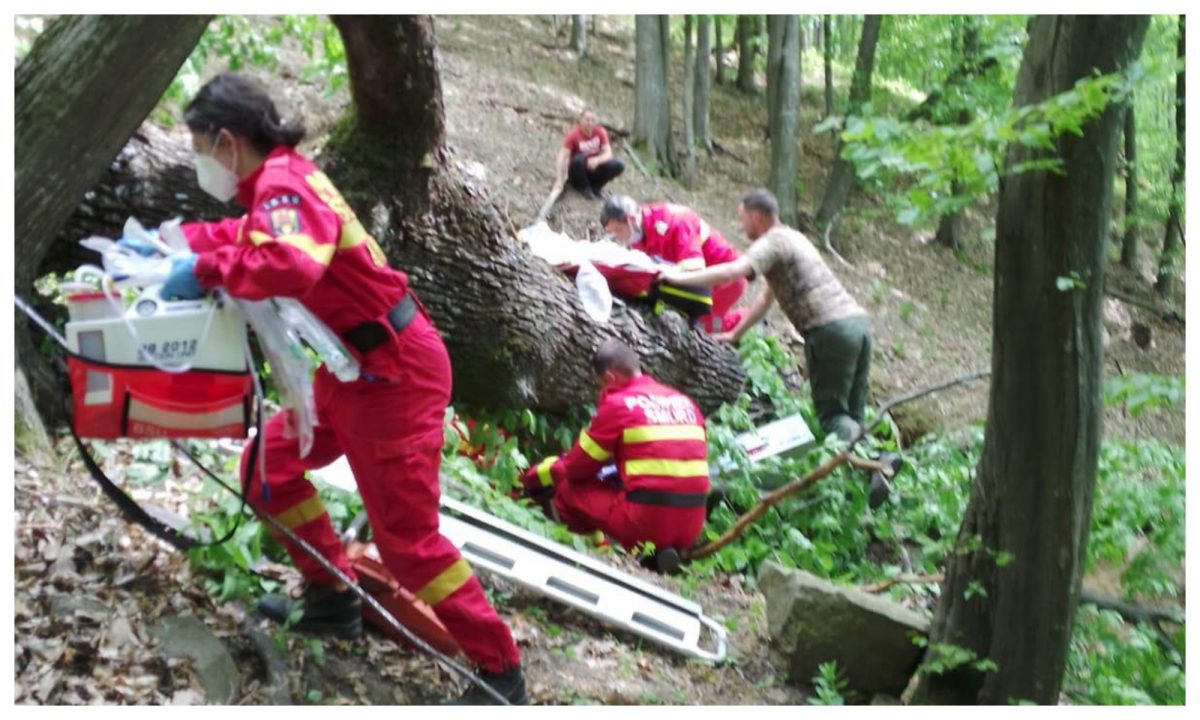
[590,505]
[724,297]
[391,434]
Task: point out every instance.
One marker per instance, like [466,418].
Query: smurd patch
[285,221]
[280,201]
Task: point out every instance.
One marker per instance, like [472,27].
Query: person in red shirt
[586,158]
[639,471]
[677,235]
[300,239]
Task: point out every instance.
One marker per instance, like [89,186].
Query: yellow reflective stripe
[672,290]
[353,235]
[447,581]
[667,468]
[301,513]
[543,471]
[691,264]
[592,448]
[321,253]
[650,433]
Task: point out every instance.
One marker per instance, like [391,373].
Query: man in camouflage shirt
[836,330]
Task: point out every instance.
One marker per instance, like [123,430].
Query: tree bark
[652,109]
[1032,497]
[689,104]
[515,330]
[775,30]
[1129,240]
[118,63]
[841,179]
[950,227]
[719,75]
[700,111]
[1174,231]
[827,51]
[785,115]
[579,35]
[746,49]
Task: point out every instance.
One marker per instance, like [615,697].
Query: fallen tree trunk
[515,329]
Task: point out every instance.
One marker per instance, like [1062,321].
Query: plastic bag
[291,367]
[593,289]
[129,269]
[320,338]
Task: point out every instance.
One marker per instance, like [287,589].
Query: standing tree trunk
[1174,231]
[579,35]
[652,109]
[700,92]
[1129,241]
[514,327]
[689,103]
[120,63]
[841,179]
[775,30]
[827,51]
[719,75]
[1032,499]
[950,228]
[746,47]
[785,115]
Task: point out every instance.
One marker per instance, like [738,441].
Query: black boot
[510,684]
[326,611]
[881,486]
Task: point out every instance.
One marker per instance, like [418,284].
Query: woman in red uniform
[300,239]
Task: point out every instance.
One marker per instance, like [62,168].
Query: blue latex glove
[181,282]
[138,246]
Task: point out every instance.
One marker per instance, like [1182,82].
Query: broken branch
[825,469]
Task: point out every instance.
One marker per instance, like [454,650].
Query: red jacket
[653,433]
[300,239]
[677,234]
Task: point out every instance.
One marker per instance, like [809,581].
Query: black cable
[312,552]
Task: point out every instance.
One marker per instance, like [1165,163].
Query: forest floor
[90,587]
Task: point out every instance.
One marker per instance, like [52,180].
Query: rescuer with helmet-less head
[653,438]
[677,235]
[300,239]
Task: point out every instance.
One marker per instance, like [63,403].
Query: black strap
[136,513]
[369,335]
[667,499]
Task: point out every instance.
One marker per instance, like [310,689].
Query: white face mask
[216,179]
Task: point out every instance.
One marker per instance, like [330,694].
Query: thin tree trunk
[950,227]
[1032,499]
[689,103]
[1129,241]
[841,179]
[746,48]
[785,116]
[1174,231]
[703,50]
[827,50]
[775,29]
[719,76]
[652,115]
[579,35]
[79,65]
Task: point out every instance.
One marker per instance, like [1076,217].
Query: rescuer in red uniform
[300,239]
[654,436]
[678,235]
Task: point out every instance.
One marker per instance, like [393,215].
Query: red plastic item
[403,605]
[624,281]
[112,401]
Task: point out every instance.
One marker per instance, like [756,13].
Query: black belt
[668,499]
[369,335]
